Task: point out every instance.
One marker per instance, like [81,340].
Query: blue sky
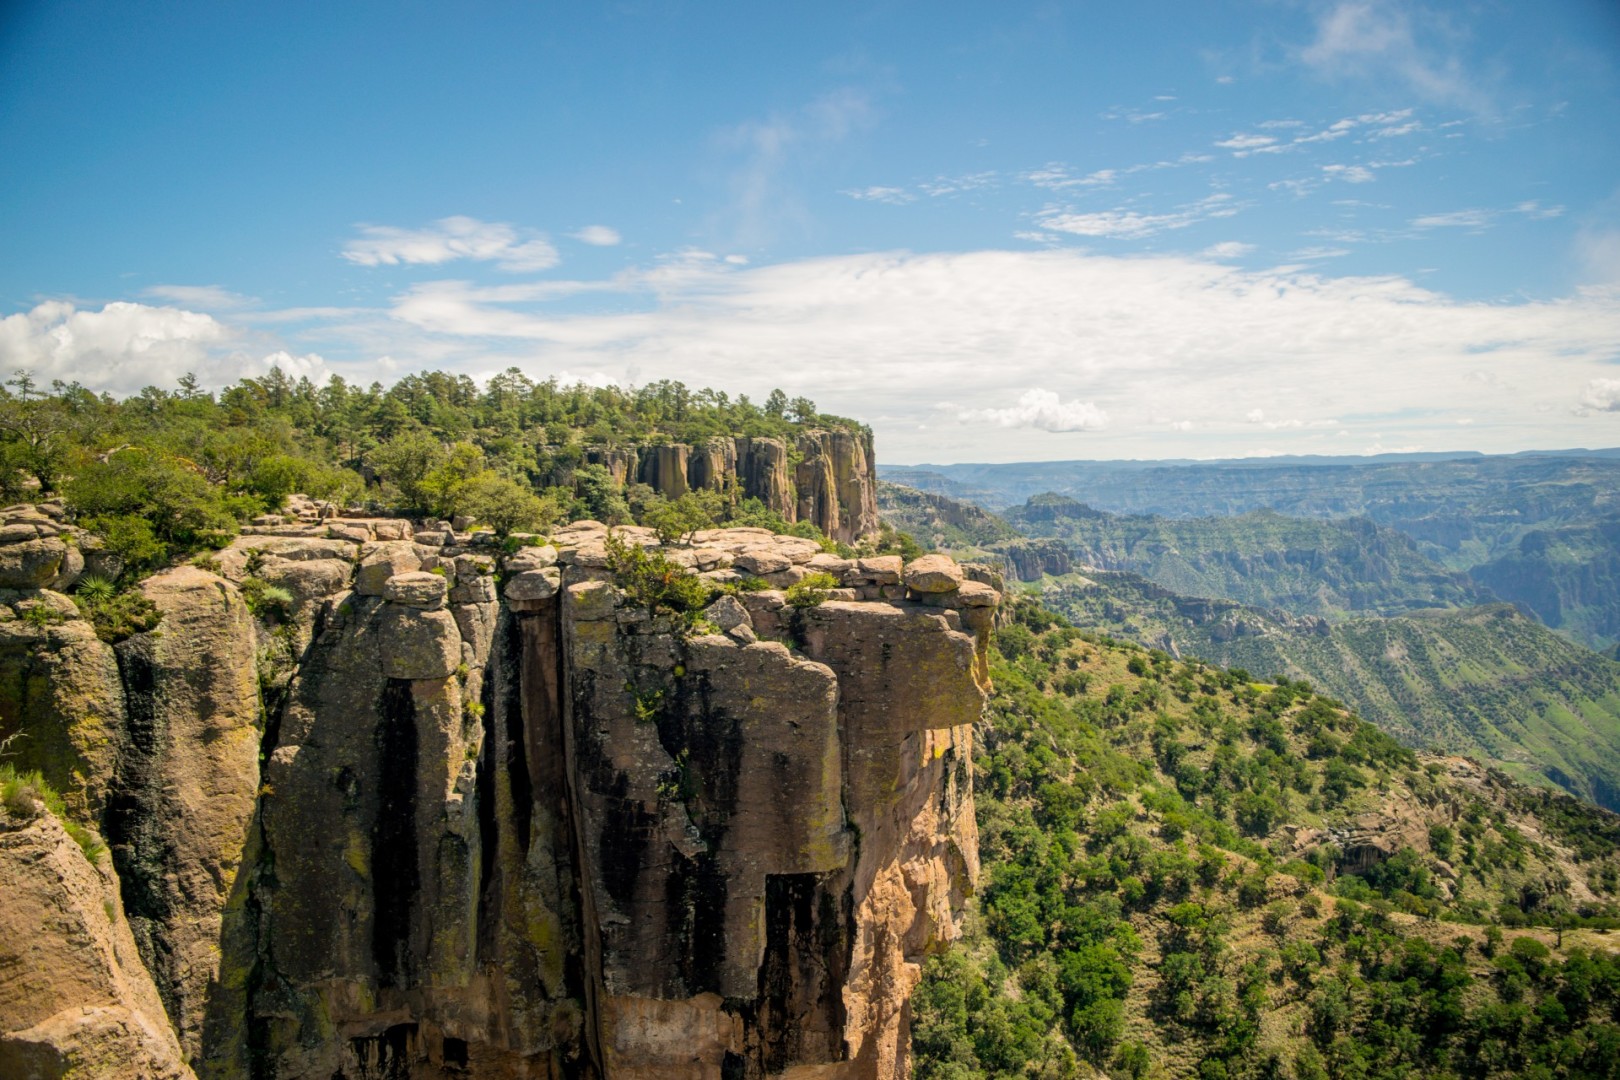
[993,231]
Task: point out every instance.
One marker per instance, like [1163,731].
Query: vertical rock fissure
[134,814]
[396,878]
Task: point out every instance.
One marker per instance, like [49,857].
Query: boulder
[417,589]
[727,613]
[32,564]
[533,585]
[977,594]
[532,558]
[762,561]
[381,561]
[933,574]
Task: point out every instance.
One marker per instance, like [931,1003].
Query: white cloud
[891,195]
[1377,40]
[1353,174]
[449,239]
[1455,219]
[598,236]
[1042,410]
[1246,142]
[1228,249]
[126,346]
[1132,225]
[122,347]
[206,297]
[1148,341]
[1602,395]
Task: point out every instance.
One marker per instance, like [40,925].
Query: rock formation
[511,821]
[833,483]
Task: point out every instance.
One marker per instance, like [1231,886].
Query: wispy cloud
[1378,39]
[1129,224]
[1474,220]
[203,297]
[449,239]
[894,196]
[762,198]
[598,236]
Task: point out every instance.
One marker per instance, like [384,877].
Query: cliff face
[511,823]
[833,482]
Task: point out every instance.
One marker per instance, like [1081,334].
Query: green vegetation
[811,591]
[652,581]
[1484,681]
[1568,575]
[1163,893]
[940,523]
[23,794]
[168,473]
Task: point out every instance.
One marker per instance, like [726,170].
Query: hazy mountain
[1305,565]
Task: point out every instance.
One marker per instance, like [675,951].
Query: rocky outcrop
[833,483]
[1030,560]
[511,821]
[75,999]
[187,782]
[629,849]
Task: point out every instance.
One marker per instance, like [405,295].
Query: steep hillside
[1189,874]
[1569,576]
[1484,681]
[1304,565]
[940,522]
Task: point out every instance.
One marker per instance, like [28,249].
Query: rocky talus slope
[389,801]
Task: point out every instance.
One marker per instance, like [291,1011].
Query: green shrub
[115,615]
[811,591]
[23,794]
[654,582]
[265,600]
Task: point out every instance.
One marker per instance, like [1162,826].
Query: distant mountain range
[1370,607]
[1541,530]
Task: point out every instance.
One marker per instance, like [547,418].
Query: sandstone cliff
[511,822]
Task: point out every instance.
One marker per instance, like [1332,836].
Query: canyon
[444,807]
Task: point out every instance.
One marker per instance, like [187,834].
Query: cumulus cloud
[1228,249]
[1040,409]
[449,239]
[127,346]
[598,236]
[122,347]
[1602,395]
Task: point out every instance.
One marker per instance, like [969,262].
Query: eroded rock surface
[511,823]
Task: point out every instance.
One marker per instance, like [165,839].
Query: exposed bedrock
[509,823]
[829,478]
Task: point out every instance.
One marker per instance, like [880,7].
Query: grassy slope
[1484,681]
[1154,836]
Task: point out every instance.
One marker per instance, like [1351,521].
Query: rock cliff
[501,817]
[828,478]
